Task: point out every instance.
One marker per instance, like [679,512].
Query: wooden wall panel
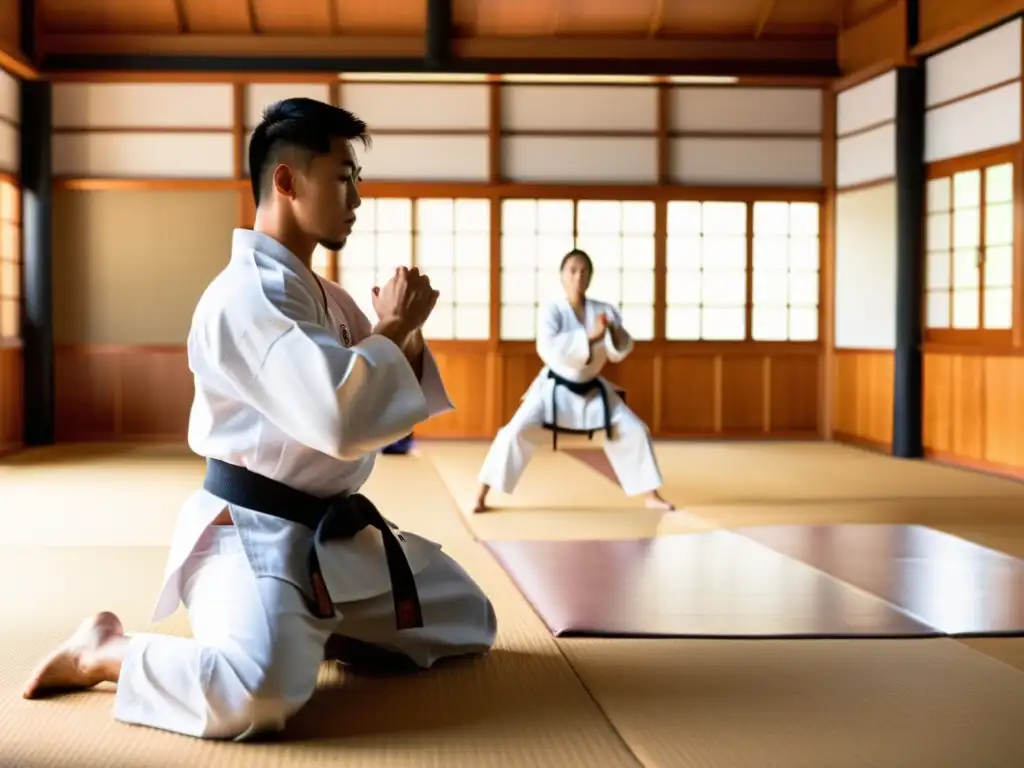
[144,393]
[468,372]
[125,388]
[11,399]
[973,415]
[743,391]
[794,387]
[863,397]
[122,393]
[636,375]
[691,404]
[518,366]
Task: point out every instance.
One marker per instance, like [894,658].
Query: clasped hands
[601,325]
[403,305]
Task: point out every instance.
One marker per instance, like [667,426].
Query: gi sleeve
[431,383]
[344,402]
[616,355]
[565,349]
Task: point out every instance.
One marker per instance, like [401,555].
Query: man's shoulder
[247,286]
[249,300]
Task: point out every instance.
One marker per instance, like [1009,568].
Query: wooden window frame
[14,341]
[748,196]
[577,195]
[335,272]
[660,195]
[976,338]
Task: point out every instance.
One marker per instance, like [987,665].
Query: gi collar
[250,240]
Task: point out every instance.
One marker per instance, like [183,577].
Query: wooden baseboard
[975,465]
[862,442]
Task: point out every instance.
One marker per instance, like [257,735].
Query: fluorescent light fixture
[411,77]
[459,77]
[590,79]
[703,80]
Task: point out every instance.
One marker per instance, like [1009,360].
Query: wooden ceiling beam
[705,49]
[763,15]
[673,56]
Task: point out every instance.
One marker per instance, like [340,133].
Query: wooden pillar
[908,395]
[438,35]
[36,246]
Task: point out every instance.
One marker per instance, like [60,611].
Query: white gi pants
[256,651]
[630,451]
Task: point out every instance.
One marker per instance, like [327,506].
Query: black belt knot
[337,517]
[578,388]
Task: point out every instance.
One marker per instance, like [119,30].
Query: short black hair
[577,253]
[299,123]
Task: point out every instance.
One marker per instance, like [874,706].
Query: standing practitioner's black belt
[337,517]
[577,388]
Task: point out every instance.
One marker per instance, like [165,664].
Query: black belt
[337,517]
[577,388]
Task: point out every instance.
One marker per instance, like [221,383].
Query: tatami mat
[130,496]
[725,473]
[521,705]
[559,497]
[553,481]
[806,704]
[729,485]
[88,529]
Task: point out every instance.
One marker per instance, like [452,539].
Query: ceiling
[748,37]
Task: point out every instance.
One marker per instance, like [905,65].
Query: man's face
[576,276]
[327,195]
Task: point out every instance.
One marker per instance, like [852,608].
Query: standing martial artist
[576,337]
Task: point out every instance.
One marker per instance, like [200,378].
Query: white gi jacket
[303,398]
[564,347]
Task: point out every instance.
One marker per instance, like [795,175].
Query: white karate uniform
[307,399]
[564,347]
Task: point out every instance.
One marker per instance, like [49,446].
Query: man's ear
[284,180]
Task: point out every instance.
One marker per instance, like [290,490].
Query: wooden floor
[87,528]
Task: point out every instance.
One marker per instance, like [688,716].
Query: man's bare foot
[91,656]
[655,501]
[481,501]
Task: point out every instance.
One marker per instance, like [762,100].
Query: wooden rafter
[332,17]
[182,16]
[254,19]
[842,13]
[657,21]
[556,19]
[763,14]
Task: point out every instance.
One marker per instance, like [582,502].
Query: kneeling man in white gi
[279,557]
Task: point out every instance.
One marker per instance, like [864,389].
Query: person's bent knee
[478,629]
[245,699]
[490,626]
